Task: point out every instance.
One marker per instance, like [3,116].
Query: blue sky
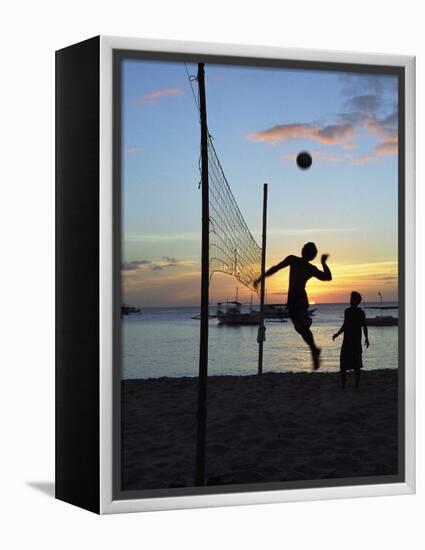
[260,119]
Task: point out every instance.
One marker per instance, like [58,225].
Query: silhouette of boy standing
[351,350]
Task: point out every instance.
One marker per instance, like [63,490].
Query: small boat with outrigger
[382,320]
[230,313]
[127,310]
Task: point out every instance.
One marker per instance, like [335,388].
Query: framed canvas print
[235,274]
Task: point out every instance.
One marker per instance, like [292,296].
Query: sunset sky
[260,119]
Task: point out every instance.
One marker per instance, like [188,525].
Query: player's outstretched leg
[315,351]
[316,358]
[302,323]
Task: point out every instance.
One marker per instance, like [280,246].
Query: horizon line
[284,303]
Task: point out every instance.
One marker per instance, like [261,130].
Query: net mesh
[233,250]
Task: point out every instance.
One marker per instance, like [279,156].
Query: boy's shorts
[300,317]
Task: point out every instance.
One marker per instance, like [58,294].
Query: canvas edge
[410,272]
[107,503]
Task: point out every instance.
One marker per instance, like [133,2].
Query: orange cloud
[363,159]
[153,97]
[386,130]
[387,148]
[342,134]
[332,134]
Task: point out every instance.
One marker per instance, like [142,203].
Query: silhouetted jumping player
[301,270]
[351,350]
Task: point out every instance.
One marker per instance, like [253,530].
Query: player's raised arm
[326,274]
[281,265]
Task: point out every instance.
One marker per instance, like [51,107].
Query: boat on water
[280,311]
[230,313]
[382,308]
[382,320]
[127,310]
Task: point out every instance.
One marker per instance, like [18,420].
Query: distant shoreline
[316,304]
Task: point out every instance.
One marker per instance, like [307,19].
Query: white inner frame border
[107,504]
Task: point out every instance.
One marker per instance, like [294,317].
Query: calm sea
[165,342]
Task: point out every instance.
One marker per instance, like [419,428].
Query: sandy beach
[274,427]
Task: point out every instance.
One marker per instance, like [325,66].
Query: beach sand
[274,427]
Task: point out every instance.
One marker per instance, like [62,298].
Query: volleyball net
[233,249]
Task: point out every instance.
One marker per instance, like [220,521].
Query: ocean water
[165,342]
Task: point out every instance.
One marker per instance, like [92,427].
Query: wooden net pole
[262,329]
[203,345]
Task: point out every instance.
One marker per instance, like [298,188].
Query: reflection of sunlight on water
[165,343]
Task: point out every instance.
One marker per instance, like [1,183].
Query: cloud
[281,132]
[136,265]
[170,260]
[153,97]
[363,159]
[367,103]
[384,128]
[353,118]
[355,84]
[167,261]
[336,133]
[132,150]
[370,97]
[331,134]
[133,265]
[387,148]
